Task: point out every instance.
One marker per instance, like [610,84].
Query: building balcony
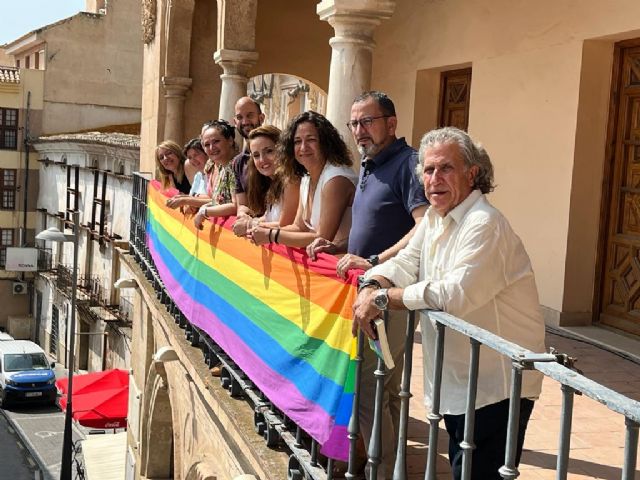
[94,298]
[179,320]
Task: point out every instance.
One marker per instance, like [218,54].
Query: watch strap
[372,282]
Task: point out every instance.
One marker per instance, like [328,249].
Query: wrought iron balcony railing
[45,259]
[93,298]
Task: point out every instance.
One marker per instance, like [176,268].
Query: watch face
[381,299]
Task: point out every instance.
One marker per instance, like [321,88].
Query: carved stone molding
[149,14]
[176,86]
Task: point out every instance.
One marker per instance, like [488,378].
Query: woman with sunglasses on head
[170,162]
[272,200]
[326,190]
[219,145]
[197,159]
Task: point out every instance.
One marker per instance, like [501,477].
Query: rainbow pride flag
[286,321]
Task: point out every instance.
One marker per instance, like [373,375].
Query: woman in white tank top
[326,190]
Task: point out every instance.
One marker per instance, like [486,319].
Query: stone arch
[156,449]
[283,96]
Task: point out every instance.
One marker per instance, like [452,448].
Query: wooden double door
[620,280]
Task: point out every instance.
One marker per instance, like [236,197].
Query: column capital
[235,62]
[353,22]
[176,86]
[366,13]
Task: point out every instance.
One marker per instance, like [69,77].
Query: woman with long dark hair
[311,142]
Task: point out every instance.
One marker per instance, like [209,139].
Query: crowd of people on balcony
[418,223]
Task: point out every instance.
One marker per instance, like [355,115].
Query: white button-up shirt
[472,265]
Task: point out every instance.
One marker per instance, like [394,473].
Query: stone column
[354,22]
[235,64]
[175,90]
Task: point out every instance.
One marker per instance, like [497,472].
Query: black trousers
[490,437]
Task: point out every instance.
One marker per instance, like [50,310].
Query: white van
[25,374]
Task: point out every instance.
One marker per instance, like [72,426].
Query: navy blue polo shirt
[388,191]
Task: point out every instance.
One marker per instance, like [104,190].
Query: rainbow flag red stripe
[286,321]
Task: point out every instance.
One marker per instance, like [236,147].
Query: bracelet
[270,232]
[277,235]
[372,282]
[203,210]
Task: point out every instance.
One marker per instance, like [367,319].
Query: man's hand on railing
[364,311]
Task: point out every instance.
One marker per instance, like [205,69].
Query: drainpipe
[26,141]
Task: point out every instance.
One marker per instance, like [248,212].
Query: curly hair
[225,129]
[165,175]
[472,154]
[332,146]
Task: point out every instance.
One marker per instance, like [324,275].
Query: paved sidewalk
[597,441]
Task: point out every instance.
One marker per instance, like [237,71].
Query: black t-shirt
[239,166]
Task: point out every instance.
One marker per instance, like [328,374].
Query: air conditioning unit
[19,288]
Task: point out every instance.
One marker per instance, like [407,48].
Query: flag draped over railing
[286,321]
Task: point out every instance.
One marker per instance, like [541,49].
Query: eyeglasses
[363,122]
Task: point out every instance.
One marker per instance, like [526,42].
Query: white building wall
[93,153]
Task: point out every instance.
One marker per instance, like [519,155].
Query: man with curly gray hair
[466,260]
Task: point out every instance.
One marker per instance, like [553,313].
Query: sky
[18,17]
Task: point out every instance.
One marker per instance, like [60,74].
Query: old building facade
[79,74]
[91,64]
[89,173]
[21,94]
[549,88]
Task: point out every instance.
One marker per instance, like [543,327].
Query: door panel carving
[455,93]
[620,306]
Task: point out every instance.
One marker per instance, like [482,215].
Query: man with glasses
[388,203]
[248,116]
[466,260]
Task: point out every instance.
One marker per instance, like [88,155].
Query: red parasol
[100,399]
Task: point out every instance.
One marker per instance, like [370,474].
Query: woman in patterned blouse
[219,145]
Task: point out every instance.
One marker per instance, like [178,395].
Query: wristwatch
[381,299]
[373,260]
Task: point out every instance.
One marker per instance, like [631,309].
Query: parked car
[5,337]
[26,375]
